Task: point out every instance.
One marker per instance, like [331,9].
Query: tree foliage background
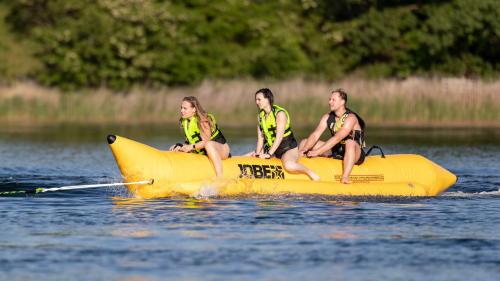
[119,43]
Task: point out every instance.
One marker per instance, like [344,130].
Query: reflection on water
[104,234]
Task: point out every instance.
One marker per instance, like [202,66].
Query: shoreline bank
[410,102]
[246,124]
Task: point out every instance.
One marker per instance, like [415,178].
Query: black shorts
[339,154]
[280,151]
[287,144]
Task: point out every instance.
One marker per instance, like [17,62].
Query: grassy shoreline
[414,101]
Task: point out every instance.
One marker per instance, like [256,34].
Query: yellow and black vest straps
[192,132]
[268,126]
[356,135]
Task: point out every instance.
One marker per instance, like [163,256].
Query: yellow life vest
[192,132]
[268,127]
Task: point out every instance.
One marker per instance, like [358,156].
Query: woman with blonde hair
[202,134]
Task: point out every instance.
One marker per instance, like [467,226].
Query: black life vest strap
[198,135]
[274,129]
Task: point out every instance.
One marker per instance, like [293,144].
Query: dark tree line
[179,42]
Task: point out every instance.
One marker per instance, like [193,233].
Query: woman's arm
[260,138]
[206,134]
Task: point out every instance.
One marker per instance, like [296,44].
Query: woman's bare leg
[216,153]
[290,162]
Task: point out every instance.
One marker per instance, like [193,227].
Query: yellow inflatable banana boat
[188,173]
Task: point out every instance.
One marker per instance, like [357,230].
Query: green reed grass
[414,100]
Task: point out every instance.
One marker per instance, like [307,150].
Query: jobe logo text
[262,171]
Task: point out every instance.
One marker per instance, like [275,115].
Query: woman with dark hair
[202,134]
[275,135]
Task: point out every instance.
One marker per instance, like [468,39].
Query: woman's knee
[210,146]
[290,166]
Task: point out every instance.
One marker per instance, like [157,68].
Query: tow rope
[75,187]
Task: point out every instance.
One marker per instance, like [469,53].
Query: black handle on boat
[181,145]
[309,157]
[370,150]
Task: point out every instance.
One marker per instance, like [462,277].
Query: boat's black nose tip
[111,139]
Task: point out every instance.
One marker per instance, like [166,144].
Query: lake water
[104,234]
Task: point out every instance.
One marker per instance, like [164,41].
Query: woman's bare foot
[314,176]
